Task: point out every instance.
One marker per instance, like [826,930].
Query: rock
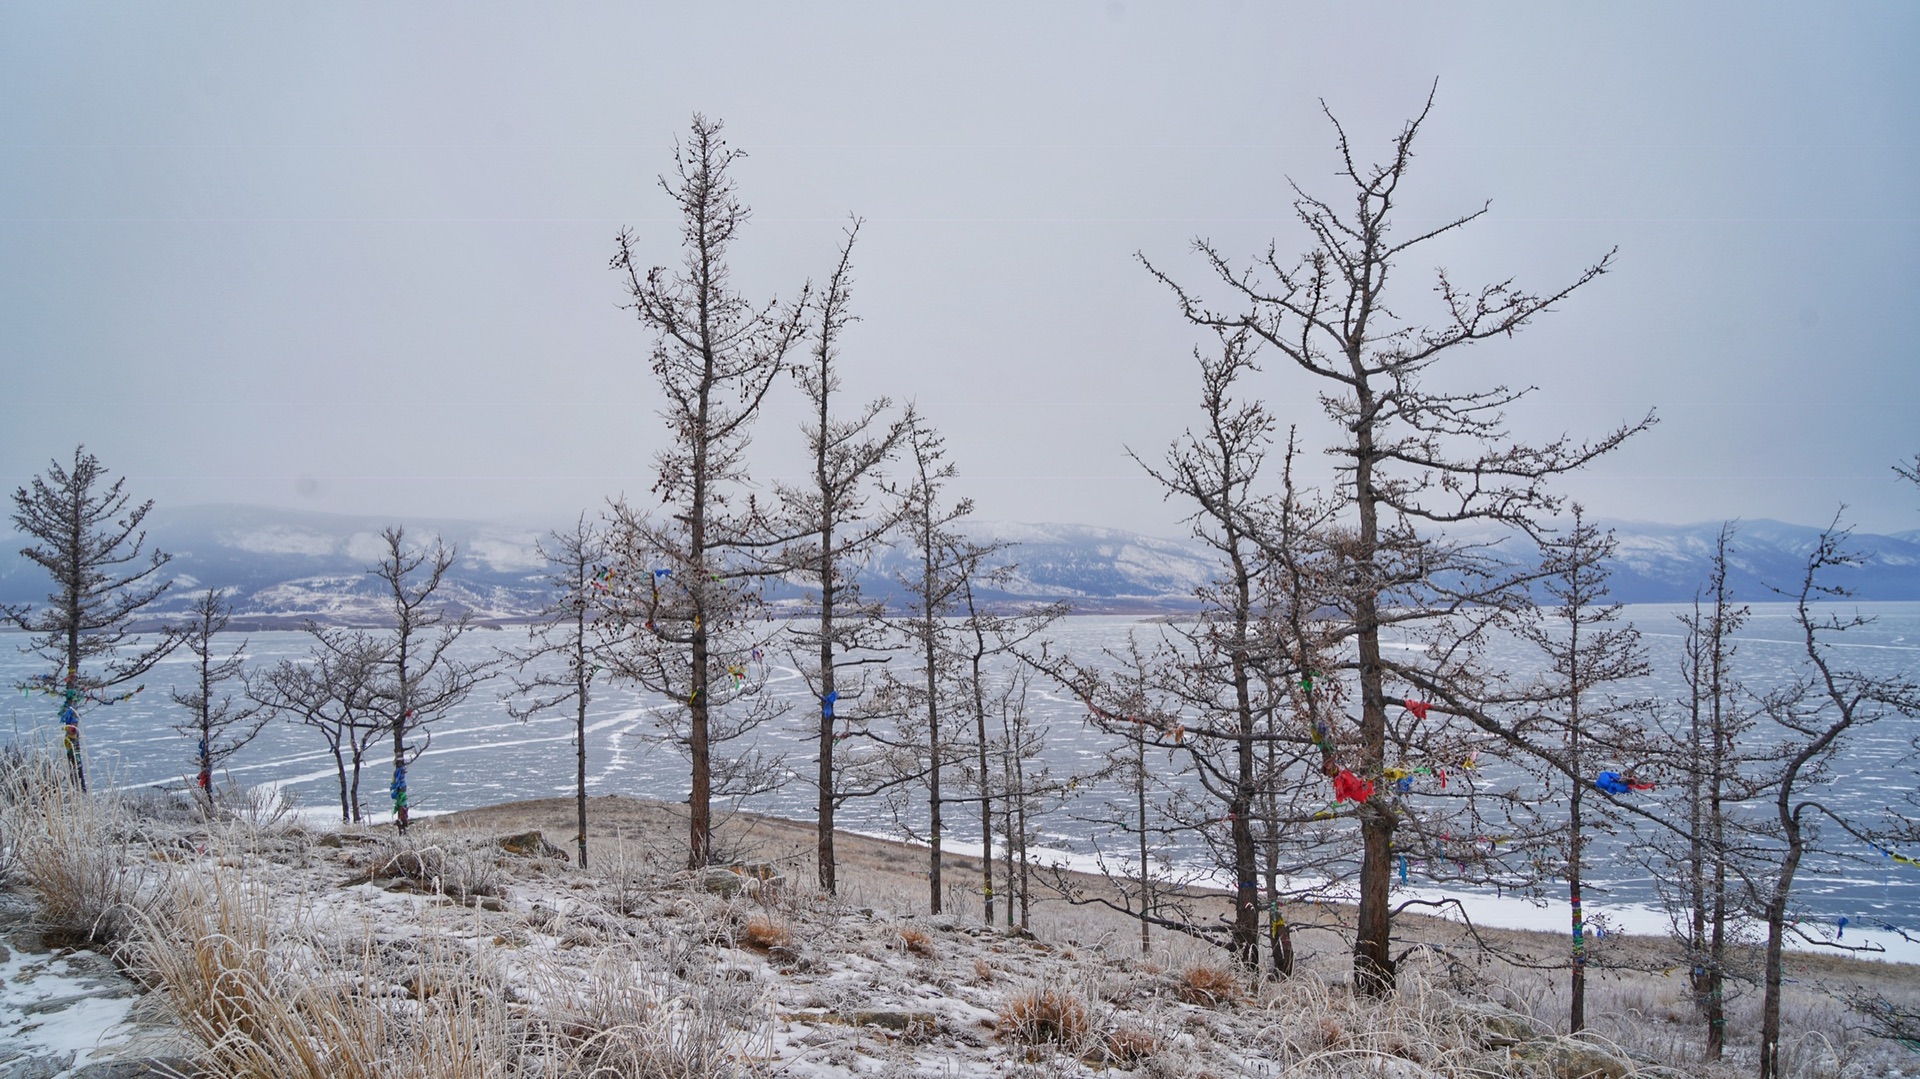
[1573,1060]
[531,845]
[1503,1031]
[721,882]
[139,1068]
[792,956]
[910,1023]
[63,1002]
[36,1067]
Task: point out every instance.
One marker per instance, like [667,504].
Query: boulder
[531,845]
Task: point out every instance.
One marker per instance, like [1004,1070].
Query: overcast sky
[353,257]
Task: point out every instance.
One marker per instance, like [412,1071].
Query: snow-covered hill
[285,566]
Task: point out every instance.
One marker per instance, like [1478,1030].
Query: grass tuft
[1041,1015]
[1208,985]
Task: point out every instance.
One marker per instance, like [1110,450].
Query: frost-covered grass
[74,849]
[286,952]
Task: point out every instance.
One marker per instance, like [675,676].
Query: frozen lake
[481,755]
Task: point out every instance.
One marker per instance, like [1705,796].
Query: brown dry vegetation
[288,952]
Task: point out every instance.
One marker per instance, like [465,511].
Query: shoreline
[895,872]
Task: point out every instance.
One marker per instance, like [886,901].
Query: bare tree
[837,532]
[1228,663]
[689,575]
[1587,735]
[420,680]
[222,724]
[1817,714]
[1705,866]
[993,651]
[87,536]
[939,566]
[332,694]
[1146,884]
[566,630]
[1415,458]
[1232,694]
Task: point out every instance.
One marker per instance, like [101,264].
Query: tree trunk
[583,676]
[1140,807]
[823,780]
[986,788]
[1373,972]
[1770,1066]
[1577,1018]
[340,765]
[699,799]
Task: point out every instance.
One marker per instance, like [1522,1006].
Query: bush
[71,847]
[1208,985]
[1039,1015]
[463,867]
[1130,1045]
[266,998]
[765,934]
[918,941]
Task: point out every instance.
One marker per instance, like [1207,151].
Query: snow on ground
[775,977]
[62,1010]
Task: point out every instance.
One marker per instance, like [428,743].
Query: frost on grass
[281,952]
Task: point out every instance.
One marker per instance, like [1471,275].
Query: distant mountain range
[285,566]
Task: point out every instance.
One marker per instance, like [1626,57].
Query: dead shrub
[265,997]
[1039,1015]
[71,845]
[918,941]
[463,868]
[765,934]
[1130,1045]
[1208,985]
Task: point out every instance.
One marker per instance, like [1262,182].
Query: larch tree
[1233,695]
[332,694]
[221,723]
[1718,767]
[85,532]
[419,677]
[939,562]
[567,632]
[1577,728]
[835,531]
[1414,459]
[1829,704]
[1132,803]
[993,652]
[689,573]
[1228,664]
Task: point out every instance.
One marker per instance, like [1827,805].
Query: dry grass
[459,866]
[1041,1015]
[272,996]
[1130,1045]
[765,934]
[661,1011]
[270,999]
[918,941]
[278,983]
[73,847]
[1208,985]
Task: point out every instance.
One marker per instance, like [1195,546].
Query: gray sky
[352,257]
